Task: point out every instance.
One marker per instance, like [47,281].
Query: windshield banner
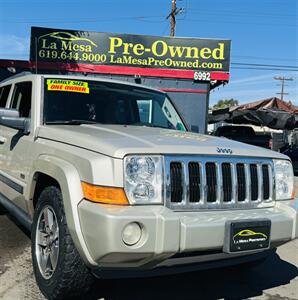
[84,47]
[68,86]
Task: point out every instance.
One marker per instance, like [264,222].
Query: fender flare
[70,183]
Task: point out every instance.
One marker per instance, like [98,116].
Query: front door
[15,167]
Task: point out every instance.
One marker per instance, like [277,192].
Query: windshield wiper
[70,122]
[148,125]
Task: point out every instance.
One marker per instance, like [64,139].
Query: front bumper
[168,235]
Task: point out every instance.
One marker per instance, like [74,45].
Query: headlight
[284,179]
[143,179]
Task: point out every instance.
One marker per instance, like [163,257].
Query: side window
[21,99]
[4,92]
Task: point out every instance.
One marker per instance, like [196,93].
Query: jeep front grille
[194,182]
[221,182]
[241,180]
[176,182]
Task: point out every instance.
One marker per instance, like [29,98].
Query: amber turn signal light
[104,194]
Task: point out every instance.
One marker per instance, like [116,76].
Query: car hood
[120,140]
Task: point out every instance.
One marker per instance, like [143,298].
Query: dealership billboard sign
[141,51]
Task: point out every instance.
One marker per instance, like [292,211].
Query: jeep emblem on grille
[224,150]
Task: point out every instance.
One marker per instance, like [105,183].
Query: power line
[262,65]
[86,20]
[184,10]
[165,29]
[142,18]
[239,13]
[265,69]
[265,58]
[238,22]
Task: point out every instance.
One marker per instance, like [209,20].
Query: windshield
[74,101]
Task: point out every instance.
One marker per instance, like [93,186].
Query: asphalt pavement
[275,279]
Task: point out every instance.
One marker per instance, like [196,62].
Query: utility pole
[283,79]
[173,18]
[174,12]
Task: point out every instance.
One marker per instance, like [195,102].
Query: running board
[16,212]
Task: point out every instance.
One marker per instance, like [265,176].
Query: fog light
[131,234]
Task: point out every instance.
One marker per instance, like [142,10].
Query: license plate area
[247,235]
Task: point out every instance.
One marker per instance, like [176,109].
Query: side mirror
[7,112]
[11,118]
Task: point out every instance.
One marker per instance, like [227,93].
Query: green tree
[224,103]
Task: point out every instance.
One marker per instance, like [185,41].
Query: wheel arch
[49,170]
[41,181]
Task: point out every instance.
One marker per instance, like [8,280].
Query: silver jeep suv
[109,180]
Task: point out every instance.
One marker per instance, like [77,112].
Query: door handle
[2,140]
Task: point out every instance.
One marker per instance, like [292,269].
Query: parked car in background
[293,154]
[244,134]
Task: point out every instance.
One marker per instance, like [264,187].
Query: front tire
[59,270]
[3,211]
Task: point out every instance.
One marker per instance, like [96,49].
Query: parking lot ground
[275,279]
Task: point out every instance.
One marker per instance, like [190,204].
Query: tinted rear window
[234,131]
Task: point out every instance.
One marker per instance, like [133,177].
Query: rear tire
[59,270]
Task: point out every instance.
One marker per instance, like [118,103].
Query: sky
[262,32]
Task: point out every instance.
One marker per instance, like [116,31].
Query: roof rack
[16,76]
